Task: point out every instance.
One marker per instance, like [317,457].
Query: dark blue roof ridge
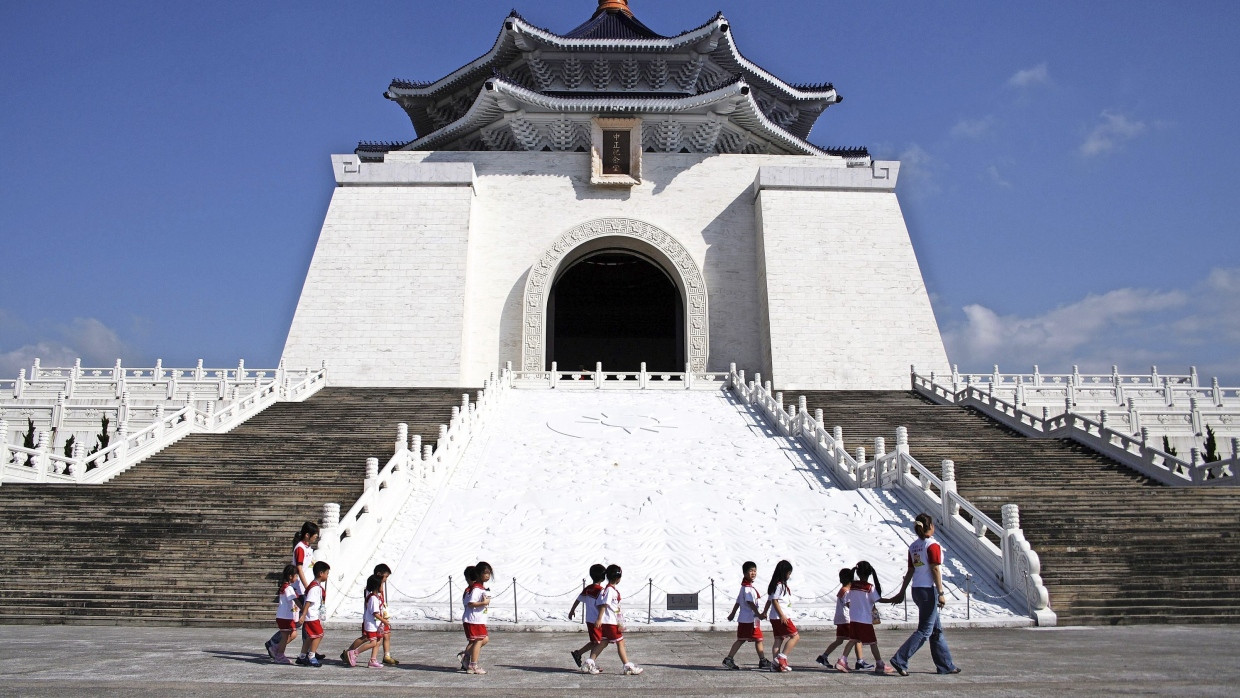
[855,151]
[379,146]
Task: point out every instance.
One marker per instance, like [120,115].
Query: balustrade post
[1010,518]
[44,447]
[71,384]
[1145,436]
[955,378]
[767,387]
[122,414]
[1067,403]
[58,413]
[1195,457]
[1168,392]
[159,422]
[860,458]
[1102,420]
[902,449]
[34,369]
[402,438]
[76,468]
[950,508]
[1196,416]
[1192,376]
[372,476]
[240,370]
[415,455]
[428,459]
[122,435]
[118,374]
[837,433]
[198,371]
[598,374]
[443,444]
[1134,417]
[20,385]
[740,376]
[688,376]
[1037,376]
[880,450]
[1215,393]
[1018,395]
[329,532]
[552,376]
[4,447]
[642,377]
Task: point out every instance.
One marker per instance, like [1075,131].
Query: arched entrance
[617,307]
[631,240]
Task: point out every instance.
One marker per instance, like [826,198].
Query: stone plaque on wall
[616,152]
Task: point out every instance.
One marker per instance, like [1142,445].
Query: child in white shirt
[312,626]
[782,627]
[842,633]
[748,629]
[286,615]
[861,616]
[476,600]
[610,625]
[588,598]
[372,626]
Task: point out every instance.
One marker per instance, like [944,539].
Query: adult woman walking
[924,558]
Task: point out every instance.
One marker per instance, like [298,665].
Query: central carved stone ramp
[197,533]
[1116,547]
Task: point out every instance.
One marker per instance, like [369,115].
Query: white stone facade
[420,273]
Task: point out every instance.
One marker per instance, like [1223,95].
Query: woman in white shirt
[925,556]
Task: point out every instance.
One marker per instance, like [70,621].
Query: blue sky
[1069,168]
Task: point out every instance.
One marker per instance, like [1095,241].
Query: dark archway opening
[618,308]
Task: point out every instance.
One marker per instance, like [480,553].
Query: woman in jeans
[924,559]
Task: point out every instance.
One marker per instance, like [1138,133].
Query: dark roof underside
[613,25]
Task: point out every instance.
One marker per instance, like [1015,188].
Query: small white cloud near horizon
[973,128]
[1110,134]
[1130,327]
[89,339]
[997,178]
[1037,75]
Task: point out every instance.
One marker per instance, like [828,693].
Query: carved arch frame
[687,275]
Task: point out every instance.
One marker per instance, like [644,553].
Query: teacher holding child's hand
[925,556]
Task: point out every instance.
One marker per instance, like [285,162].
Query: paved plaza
[143,661]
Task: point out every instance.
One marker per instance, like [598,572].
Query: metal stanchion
[712,600]
[450,618]
[649,600]
[515,615]
[968,596]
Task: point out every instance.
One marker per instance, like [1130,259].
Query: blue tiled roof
[613,25]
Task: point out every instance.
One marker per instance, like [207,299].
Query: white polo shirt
[747,596]
[608,604]
[922,553]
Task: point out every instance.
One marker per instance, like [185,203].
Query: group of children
[303,594]
[855,618]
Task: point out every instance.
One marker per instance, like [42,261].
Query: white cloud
[1112,132]
[917,171]
[85,338]
[1037,75]
[998,178]
[973,128]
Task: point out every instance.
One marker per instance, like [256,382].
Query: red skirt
[312,629]
[863,633]
[748,631]
[611,633]
[783,628]
[842,631]
[475,631]
[286,624]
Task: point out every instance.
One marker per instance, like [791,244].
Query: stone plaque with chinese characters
[616,152]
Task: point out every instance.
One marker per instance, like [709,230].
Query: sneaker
[281,659]
[314,662]
[350,656]
[375,664]
[862,664]
[902,671]
[475,669]
[576,657]
[764,664]
[841,665]
[320,657]
[464,660]
[884,669]
[730,663]
[390,660]
[632,669]
[953,671]
[271,649]
[589,667]
[782,662]
[302,660]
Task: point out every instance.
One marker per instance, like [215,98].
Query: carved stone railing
[348,541]
[1132,451]
[598,379]
[42,464]
[1003,550]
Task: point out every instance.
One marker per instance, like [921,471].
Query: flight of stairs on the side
[198,533]
[1115,546]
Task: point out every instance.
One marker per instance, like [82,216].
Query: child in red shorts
[312,628]
[610,625]
[476,600]
[861,599]
[372,626]
[748,629]
[588,596]
[782,627]
[286,615]
[842,632]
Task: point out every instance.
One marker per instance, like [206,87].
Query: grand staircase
[1116,547]
[196,534]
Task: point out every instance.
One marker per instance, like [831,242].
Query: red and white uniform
[474,617]
[841,613]
[372,627]
[286,612]
[780,626]
[747,627]
[608,605]
[861,600]
[588,598]
[923,553]
[316,596]
[303,557]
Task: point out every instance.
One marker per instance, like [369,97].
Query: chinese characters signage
[616,146]
[616,152]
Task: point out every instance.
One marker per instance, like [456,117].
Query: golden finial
[613,6]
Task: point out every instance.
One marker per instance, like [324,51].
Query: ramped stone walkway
[60,660]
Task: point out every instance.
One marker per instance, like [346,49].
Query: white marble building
[614,195]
